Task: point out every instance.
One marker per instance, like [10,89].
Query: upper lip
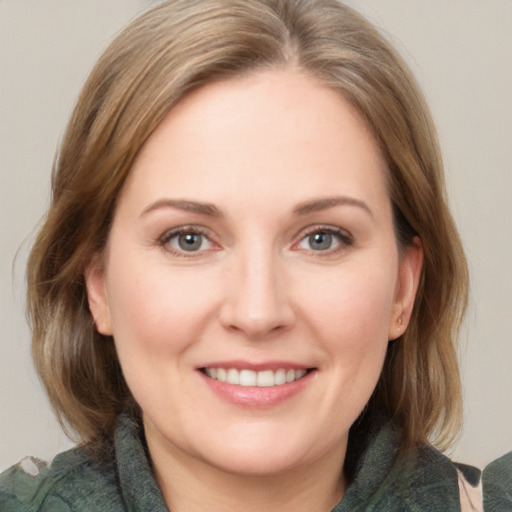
[257,367]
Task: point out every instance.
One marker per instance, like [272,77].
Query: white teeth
[247,378]
[232,376]
[211,372]
[263,379]
[280,377]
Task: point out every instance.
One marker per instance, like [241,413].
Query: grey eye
[190,241]
[327,240]
[320,241]
[185,241]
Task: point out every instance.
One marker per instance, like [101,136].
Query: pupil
[320,241]
[189,242]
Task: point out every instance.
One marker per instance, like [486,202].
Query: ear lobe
[97,295]
[409,275]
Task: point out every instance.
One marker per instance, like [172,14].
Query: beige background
[461,51]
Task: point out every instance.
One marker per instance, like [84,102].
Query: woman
[247,289]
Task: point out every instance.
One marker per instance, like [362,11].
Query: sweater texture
[423,481]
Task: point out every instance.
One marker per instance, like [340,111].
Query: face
[252,279]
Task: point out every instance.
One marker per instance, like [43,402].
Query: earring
[400,321]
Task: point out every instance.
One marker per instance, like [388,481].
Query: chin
[256,464]
[266,452]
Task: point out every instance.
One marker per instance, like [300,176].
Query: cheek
[350,316]
[157,315]
[354,307]
[157,309]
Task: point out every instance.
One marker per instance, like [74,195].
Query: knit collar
[138,485]
[425,480]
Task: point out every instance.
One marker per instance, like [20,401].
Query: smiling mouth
[251,378]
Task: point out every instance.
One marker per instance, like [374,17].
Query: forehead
[273,135]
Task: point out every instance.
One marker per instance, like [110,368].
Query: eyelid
[168,235]
[343,236]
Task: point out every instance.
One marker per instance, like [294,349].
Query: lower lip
[254,396]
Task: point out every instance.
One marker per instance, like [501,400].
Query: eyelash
[184,230]
[343,238]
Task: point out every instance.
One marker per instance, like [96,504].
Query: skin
[257,148]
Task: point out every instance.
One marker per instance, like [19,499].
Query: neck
[191,485]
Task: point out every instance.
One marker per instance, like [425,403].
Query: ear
[97,294]
[409,273]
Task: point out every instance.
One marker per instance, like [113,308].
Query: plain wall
[461,53]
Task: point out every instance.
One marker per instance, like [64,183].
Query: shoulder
[489,490]
[497,485]
[410,480]
[73,482]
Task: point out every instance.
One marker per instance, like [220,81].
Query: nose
[257,299]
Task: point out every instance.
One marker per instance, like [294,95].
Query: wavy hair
[164,54]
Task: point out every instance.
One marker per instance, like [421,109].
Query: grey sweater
[424,481]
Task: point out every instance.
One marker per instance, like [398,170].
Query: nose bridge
[257,302]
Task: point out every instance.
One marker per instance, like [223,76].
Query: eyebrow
[304,208]
[189,206]
[325,203]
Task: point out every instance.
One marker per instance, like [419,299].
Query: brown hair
[165,53]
